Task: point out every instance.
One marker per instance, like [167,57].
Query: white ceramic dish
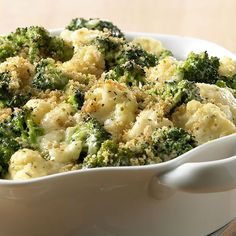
[165,199]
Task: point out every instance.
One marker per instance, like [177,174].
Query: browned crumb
[5,113]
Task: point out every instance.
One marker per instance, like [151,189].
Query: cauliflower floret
[21,72]
[59,117]
[49,139]
[27,164]
[87,60]
[112,104]
[165,69]
[146,122]
[205,121]
[39,108]
[221,97]
[59,150]
[227,67]
[80,37]
[64,152]
[150,45]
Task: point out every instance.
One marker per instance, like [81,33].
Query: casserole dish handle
[202,177]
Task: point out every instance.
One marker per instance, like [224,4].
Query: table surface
[212,20]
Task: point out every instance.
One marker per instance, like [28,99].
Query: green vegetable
[228,82]
[129,73]
[204,69]
[95,24]
[58,49]
[76,99]
[21,126]
[137,55]
[169,143]
[91,134]
[8,97]
[17,131]
[200,68]
[177,93]
[111,154]
[7,49]
[130,64]
[8,146]
[49,76]
[165,53]
[107,155]
[110,48]
[34,43]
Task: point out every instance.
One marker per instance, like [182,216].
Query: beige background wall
[213,20]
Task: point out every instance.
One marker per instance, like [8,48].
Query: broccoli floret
[176,93]
[17,131]
[49,76]
[8,97]
[5,93]
[91,134]
[113,154]
[129,73]
[95,24]
[34,43]
[228,82]
[107,155]
[169,143]
[76,99]
[17,100]
[200,68]
[8,146]
[110,48]
[21,126]
[204,69]
[29,42]
[130,64]
[136,55]
[7,49]
[59,50]
[165,53]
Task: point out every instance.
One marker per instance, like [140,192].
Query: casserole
[125,200]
